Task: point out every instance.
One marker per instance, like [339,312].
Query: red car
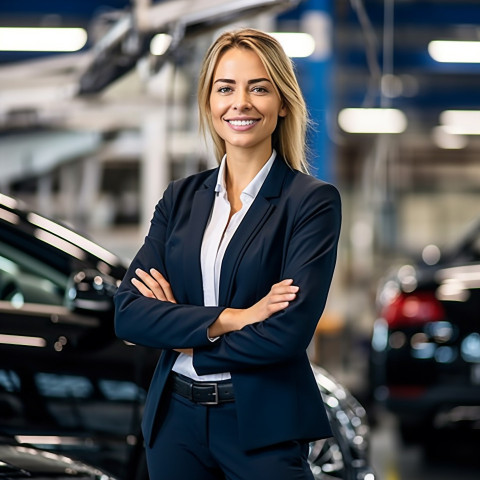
[425,355]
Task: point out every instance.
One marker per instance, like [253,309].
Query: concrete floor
[457,458]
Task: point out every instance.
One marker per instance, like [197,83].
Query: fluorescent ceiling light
[298,45]
[47,440]
[372,120]
[22,340]
[160,43]
[59,243]
[9,216]
[8,201]
[72,237]
[444,139]
[461,122]
[20,39]
[447,51]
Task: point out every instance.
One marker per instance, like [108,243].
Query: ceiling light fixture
[372,120]
[296,45]
[66,236]
[461,122]
[23,39]
[444,139]
[22,340]
[454,51]
[160,43]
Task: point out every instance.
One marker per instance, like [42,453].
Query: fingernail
[153,270]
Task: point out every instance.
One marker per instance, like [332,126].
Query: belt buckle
[215,393]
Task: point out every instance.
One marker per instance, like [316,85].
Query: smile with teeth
[241,123]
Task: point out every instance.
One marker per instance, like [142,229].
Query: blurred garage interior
[94,125]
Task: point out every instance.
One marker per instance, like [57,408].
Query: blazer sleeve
[310,262]
[152,322]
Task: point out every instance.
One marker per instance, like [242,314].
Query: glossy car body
[66,382]
[20,461]
[346,454]
[425,363]
[69,385]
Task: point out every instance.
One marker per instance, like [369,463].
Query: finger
[152,284]
[167,289]
[290,292]
[146,292]
[284,284]
[277,307]
[283,297]
[278,289]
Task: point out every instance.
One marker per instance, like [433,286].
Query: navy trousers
[199,442]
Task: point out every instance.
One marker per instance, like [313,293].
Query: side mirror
[90,291]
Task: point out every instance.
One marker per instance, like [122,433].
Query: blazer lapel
[257,215]
[199,215]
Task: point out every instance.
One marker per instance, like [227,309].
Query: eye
[224,89]
[259,89]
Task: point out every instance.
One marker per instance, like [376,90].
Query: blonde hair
[289,136]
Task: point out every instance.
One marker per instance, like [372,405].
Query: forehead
[240,63]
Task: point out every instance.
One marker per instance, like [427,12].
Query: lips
[241,123]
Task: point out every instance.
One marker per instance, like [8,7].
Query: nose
[242,101]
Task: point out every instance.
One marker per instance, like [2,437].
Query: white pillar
[68,192]
[45,199]
[155,169]
[89,191]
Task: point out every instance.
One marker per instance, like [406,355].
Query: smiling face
[244,104]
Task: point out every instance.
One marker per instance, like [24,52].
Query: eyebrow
[250,82]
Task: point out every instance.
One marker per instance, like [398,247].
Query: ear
[283,111]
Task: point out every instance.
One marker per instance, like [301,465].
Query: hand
[279,298]
[153,285]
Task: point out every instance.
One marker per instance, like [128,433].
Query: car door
[66,381]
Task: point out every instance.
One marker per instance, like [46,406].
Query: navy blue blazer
[290,231]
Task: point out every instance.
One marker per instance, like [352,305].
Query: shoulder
[297,186]
[314,203]
[187,186]
[180,193]
[309,189]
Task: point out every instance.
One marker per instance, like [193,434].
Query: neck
[242,167]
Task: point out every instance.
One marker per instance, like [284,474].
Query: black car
[24,461]
[69,385]
[66,382]
[425,363]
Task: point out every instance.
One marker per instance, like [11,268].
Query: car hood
[418,276]
[26,462]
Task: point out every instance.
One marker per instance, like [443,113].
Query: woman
[232,279]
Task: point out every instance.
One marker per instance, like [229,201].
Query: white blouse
[217,236]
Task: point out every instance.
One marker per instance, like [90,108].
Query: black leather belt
[204,393]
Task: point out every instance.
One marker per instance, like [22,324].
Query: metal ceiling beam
[129,39]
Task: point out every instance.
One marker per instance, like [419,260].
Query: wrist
[224,323]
